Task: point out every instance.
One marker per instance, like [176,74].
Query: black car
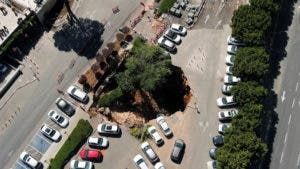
[218,140]
[64,106]
[178,150]
[212,153]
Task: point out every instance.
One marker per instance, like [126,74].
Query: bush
[140,133]
[72,144]
[165,5]
[137,43]
[110,98]
[82,79]
[120,36]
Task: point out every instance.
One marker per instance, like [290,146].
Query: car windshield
[180,28]
[224,100]
[100,141]
[224,127]
[60,119]
[73,90]
[171,34]
[222,114]
[231,68]
[153,131]
[232,58]
[26,157]
[108,127]
[140,161]
[229,78]
[52,132]
[178,145]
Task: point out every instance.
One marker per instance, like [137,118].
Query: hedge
[75,140]
[110,98]
[165,5]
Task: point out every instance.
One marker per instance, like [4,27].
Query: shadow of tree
[83,36]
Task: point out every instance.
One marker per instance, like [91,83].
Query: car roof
[93,139]
[175,26]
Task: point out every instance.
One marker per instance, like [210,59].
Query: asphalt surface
[26,110]
[286,147]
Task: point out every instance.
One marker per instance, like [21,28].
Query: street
[286,147]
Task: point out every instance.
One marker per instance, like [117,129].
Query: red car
[87,154]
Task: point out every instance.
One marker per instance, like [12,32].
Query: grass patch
[72,144]
[165,5]
[110,98]
[140,133]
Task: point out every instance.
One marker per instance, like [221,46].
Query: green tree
[240,150]
[250,25]
[251,63]
[248,118]
[147,69]
[248,92]
[266,5]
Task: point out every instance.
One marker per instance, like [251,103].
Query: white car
[98,142]
[229,70]
[155,135]
[140,162]
[28,160]
[165,43]
[149,152]
[212,164]
[78,164]
[159,165]
[50,132]
[77,94]
[232,49]
[172,36]
[226,101]
[58,119]
[222,128]
[229,79]
[229,60]
[227,114]
[109,129]
[232,41]
[163,125]
[178,29]
[226,89]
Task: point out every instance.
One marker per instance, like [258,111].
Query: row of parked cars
[172,37]
[58,118]
[225,116]
[176,154]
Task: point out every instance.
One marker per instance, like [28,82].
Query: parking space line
[43,138]
[21,164]
[35,149]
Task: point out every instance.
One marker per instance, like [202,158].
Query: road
[26,109]
[286,147]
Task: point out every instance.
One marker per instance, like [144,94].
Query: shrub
[140,133]
[82,79]
[95,67]
[165,5]
[110,98]
[106,52]
[72,144]
[110,45]
[120,36]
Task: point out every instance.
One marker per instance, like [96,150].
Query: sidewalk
[55,147]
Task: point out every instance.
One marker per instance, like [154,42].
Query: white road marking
[35,149]
[218,24]
[10,153]
[296,86]
[281,158]
[285,138]
[220,9]
[290,119]
[293,102]
[206,18]
[298,161]
[283,96]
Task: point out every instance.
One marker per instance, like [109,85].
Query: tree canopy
[250,25]
[147,69]
[248,92]
[266,5]
[251,63]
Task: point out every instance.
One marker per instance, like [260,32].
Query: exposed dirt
[128,118]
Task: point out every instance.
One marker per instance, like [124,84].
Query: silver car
[160,120]
[149,152]
[58,119]
[166,44]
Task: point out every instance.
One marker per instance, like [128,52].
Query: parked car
[78,94]
[50,133]
[222,128]
[233,41]
[98,142]
[163,125]
[226,101]
[159,165]
[109,129]
[229,79]
[155,135]
[64,106]
[3,68]
[218,140]
[149,152]
[232,49]
[90,155]
[178,150]
[172,36]
[58,119]
[229,70]
[27,159]
[229,60]
[180,30]
[78,164]
[140,162]
[226,115]
[226,89]
[168,45]
[212,164]
[212,153]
